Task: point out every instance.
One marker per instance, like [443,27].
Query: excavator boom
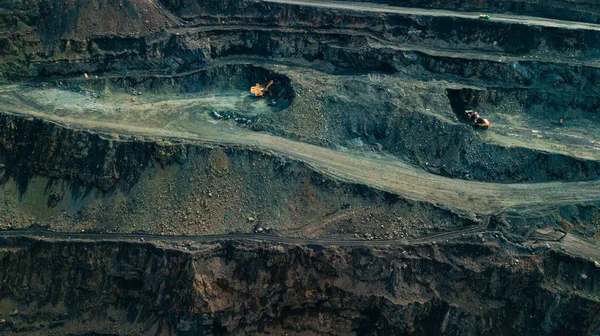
[269,85]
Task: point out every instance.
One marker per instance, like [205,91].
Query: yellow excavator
[478,121]
[259,90]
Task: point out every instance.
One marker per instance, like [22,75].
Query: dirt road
[42,233]
[377,171]
[569,243]
[375,8]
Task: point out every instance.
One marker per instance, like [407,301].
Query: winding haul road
[45,234]
[379,172]
[377,8]
[568,242]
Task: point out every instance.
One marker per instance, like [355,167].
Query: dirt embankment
[75,180]
[80,19]
[454,289]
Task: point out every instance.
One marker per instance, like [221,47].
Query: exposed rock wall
[35,43]
[454,289]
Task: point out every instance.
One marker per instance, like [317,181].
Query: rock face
[43,37]
[233,288]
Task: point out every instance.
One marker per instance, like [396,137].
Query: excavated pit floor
[151,110]
[220,93]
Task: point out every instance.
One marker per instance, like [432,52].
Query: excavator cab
[259,90]
[471,115]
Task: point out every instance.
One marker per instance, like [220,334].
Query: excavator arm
[269,85]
